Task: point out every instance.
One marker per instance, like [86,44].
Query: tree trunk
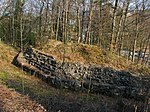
[88,38]
[145,50]
[79,23]
[100,25]
[83,22]
[136,35]
[113,36]
[58,18]
[40,21]
[66,20]
[120,34]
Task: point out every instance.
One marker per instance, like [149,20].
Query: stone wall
[42,61]
[79,77]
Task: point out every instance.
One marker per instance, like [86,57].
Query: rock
[76,76]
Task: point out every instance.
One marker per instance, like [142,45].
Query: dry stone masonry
[79,77]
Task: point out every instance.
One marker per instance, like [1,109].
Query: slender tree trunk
[79,23]
[88,38]
[145,50]
[46,16]
[134,46]
[113,36]
[136,35]
[140,51]
[58,18]
[21,37]
[83,22]
[13,30]
[100,25]
[120,33]
[66,20]
[40,21]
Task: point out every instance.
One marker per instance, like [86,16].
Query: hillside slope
[14,82]
[10,100]
[90,54]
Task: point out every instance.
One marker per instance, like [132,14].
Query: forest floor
[11,78]
[22,92]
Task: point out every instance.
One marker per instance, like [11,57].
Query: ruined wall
[79,77]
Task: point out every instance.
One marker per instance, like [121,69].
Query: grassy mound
[90,54]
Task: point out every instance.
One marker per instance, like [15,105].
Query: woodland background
[119,26]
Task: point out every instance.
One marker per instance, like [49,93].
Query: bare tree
[112,44]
